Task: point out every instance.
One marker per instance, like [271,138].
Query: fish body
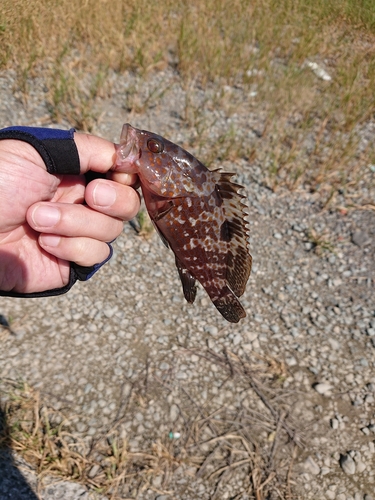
[198,214]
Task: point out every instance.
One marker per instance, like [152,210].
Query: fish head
[161,165]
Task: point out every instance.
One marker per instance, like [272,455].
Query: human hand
[43,223]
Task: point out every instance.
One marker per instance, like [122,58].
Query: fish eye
[155,146]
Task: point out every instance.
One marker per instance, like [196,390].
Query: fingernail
[46,216]
[50,240]
[104,195]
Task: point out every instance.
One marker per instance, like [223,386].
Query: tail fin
[229,306]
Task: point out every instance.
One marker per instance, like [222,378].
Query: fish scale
[199,214]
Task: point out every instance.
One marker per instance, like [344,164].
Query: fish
[198,213]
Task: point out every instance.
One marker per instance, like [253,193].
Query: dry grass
[142,224]
[262,45]
[249,448]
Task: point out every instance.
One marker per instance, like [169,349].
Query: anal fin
[188,282]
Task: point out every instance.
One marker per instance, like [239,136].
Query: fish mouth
[127,152]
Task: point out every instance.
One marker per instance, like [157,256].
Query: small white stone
[360,466]
[318,70]
[334,344]
[323,388]
[325,470]
[251,336]
[334,423]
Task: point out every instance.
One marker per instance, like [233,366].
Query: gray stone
[311,466]
[331,495]
[360,466]
[174,412]
[94,470]
[347,464]
[360,238]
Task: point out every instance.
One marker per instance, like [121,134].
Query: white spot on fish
[192,221]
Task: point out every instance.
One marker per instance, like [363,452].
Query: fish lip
[127,152]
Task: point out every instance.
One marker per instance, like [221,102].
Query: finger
[123,178]
[95,153]
[65,219]
[112,199]
[71,189]
[82,251]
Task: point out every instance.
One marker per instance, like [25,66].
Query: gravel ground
[126,349]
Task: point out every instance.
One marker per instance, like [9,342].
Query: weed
[218,443]
[146,226]
[142,224]
[320,242]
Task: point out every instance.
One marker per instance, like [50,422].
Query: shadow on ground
[13,484]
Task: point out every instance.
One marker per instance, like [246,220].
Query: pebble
[347,464]
[360,466]
[211,329]
[325,470]
[360,238]
[334,423]
[311,466]
[94,471]
[174,412]
[275,328]
[331,495]
[323,388]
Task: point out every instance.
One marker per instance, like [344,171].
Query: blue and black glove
[59,152]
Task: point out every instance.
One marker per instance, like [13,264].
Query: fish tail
[229,306]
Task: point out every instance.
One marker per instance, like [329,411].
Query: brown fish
[198,214]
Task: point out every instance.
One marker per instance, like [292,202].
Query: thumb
[95,153]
